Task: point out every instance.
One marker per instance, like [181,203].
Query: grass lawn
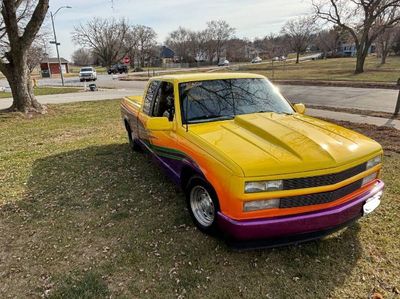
[338,69]
[41,91]
[83,217]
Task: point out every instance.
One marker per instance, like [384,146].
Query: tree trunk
[298,57]
[21,86]
[383,58]
[361,56]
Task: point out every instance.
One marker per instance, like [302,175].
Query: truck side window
[164,101]
[148,100]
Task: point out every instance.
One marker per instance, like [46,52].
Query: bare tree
[328,40]
[82,57]
[20,22]
[145,38]
[131,46]
[217,34]
[396,44]
[359,18]
[36,55]
[299,32]
[236,49]
[38,51]
[275,45]
[104,37]
[385,42]
[178,41]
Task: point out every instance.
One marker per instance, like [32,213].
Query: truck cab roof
[180,78]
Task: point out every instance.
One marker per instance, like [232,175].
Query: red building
[50,67]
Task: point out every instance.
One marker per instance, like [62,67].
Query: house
[350,50]
[167,55]
[50,66]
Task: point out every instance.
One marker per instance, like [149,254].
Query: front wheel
[203,204]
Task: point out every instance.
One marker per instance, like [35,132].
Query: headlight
[375,161]
[262,186]
[261,205]
[369,178]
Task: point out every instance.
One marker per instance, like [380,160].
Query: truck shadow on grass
[102,221]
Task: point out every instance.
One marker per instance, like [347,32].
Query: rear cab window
[148,100]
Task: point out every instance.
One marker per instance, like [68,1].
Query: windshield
[206,101]
[86,69]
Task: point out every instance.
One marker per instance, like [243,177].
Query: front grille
[323,180]
[319,198]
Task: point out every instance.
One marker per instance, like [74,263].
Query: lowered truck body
[252,165]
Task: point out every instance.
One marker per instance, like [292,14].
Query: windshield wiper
[277,112]
[263,111]
[210,118]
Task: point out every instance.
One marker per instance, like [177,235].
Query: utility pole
[57,43]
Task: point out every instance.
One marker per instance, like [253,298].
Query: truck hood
[267,144]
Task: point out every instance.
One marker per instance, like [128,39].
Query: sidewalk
[101,95]
[355,118]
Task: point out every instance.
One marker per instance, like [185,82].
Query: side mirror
[300,108]
[159,124]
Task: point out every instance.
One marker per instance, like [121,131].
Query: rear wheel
[132,143]
[203,204]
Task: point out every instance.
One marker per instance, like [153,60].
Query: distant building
[167,55]
[50,66]
[350,50]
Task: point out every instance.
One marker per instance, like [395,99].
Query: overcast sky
[251,18]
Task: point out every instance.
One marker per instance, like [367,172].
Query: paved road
[362,119]
[360,98]
[345,97]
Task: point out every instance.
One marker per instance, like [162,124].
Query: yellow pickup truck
[252,165]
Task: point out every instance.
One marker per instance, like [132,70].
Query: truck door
[163,143]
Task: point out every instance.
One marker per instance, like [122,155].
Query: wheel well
[127,126]
[186,173]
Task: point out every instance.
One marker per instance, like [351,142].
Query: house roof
[167,52]
[54,60]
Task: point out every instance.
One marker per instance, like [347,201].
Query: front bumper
[280,227]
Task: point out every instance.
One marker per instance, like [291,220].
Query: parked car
[118,69]
[279,58]
[87,73]
[318,56]
[251,164]
[224,62]
[256,60]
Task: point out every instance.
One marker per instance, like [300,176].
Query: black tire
[193,184]
[132,143]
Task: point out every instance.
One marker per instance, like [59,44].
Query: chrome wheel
[202,206]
